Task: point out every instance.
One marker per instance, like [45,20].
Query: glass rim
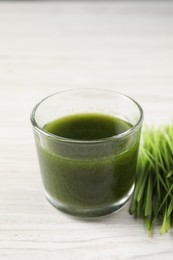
[71,140]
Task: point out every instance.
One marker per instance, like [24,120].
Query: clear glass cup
[87,178]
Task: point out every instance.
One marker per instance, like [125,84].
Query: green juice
[86,174]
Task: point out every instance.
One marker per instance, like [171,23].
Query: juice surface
[87,182]
[87,126]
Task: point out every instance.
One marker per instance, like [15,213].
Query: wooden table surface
[51,46]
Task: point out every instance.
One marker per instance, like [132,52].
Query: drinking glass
[87,178]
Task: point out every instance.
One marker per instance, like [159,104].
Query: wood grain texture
[50,46]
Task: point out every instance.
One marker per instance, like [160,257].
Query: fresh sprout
[152,199]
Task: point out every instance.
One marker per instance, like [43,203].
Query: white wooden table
[50,46]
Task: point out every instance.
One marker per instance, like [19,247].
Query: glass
[87,178]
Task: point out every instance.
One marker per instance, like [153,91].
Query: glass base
[93,212]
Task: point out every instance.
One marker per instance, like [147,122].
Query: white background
[51,46]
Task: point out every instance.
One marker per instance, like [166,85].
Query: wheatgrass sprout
[152,199]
